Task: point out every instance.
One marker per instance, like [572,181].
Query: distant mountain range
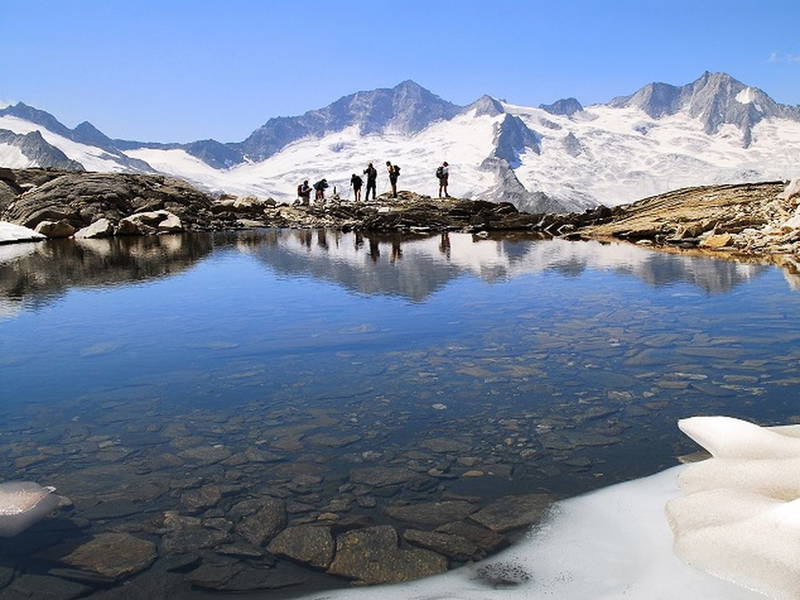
[555,157]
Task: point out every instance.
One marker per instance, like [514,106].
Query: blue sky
[184,70]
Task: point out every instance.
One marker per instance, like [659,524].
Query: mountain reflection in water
[411,267]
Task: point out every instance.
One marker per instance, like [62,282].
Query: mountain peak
[487,105]
[408,108]
[564,106]
[715,99]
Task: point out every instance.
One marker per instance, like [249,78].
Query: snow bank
[614,543]
[9,233]
[740,516]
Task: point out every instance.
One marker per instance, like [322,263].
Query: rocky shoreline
[743,221]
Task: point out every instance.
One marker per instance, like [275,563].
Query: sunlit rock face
[23,503]
[739,517]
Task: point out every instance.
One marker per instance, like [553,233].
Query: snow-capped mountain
[554,157]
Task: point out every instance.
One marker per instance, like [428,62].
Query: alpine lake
[192,396]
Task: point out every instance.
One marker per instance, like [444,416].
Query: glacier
[554,157]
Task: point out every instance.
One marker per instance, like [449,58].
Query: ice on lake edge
[616,542]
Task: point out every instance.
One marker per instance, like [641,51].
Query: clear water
[561,367]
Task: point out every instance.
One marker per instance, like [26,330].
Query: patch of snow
[746,96]
[9,233]
[12,157]
[91,157]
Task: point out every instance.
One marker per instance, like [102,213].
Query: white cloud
[777,57]
[4,103]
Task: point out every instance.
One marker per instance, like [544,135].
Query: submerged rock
[512,512]
[113,555]
[372,556]
[305,544]
[432,513]
[23,503]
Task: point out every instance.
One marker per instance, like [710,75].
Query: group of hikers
[371,176]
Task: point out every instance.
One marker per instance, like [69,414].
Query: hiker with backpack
[372,178]
[442,174]
[394,173]
[304,193]
[319,188]
[355,183]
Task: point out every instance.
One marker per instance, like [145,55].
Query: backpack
[440,172]
[300,190]
[396,170]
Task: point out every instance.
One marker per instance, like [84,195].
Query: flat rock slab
[372,556]
[432,513]
[382,476]
[42,587]
[113,555]
[445,445]
[205,455]
[512,512]
[454,546]
[305,544]
[486,539]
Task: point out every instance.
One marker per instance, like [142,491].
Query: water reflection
[410,267]
[36,273]
[417,267]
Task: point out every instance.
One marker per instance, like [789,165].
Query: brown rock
[306,544]
[113,555]
[372,556]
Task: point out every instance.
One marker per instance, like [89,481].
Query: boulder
[719,240]
[99,229]
[150,222]
[55,229]
[112,555]
[305,544]
[372,556]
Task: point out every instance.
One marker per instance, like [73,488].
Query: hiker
[442,174]
[356,182]
[319,188]
[394,173]
[372,178]
[304,193]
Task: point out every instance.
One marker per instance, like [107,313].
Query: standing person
[372,179]
[356,182]
[304,193]
[320,188]
[443,173]
[394,173]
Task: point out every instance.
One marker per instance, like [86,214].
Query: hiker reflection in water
[444,245]
[397,251]
[374,249]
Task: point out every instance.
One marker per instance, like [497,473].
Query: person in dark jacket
[394,173]
[443,174]
[372,179]
[319,188]
[304,193]
[356,182]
